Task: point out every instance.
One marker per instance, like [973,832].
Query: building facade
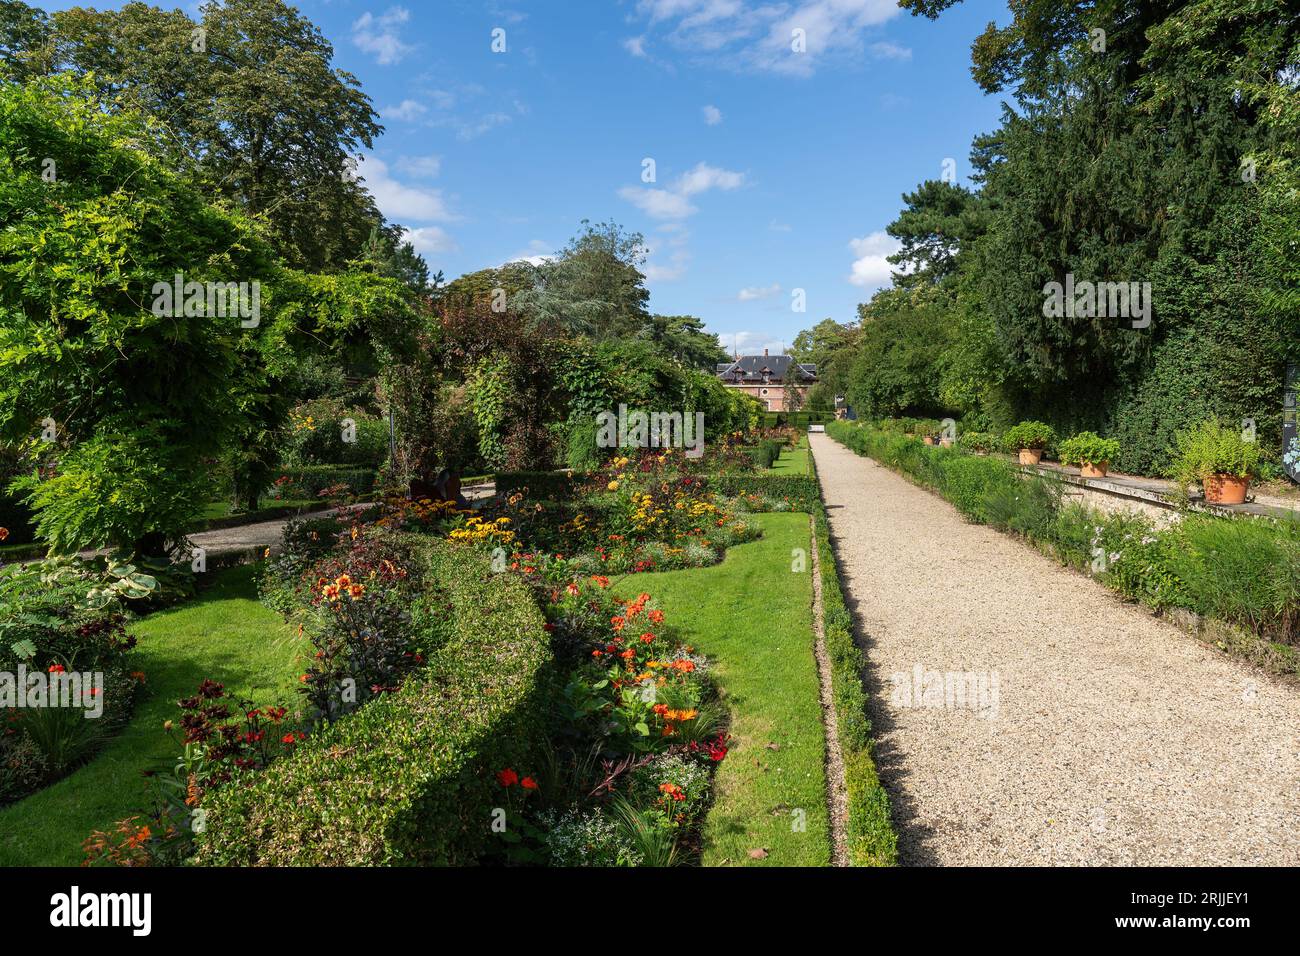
[766,378]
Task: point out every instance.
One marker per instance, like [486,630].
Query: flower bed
[63,625]
[410,776]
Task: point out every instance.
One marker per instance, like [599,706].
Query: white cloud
[635,46]
[870,267]
[428,240]
[712,115]
[379,36]
[658,203]
[886,50]
[778,226]
[674,202]
[674,269]
[705,177]
[424,167]
[757,34]
[536,253]
[407,111]
[474,128]
[749,343]
[675,237]
[753,293]
[400,202]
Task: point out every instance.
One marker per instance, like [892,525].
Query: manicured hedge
[552,485]
[408,778]
[802,490]
[308,481]
[796,419]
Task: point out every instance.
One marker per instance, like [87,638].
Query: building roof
[766,369]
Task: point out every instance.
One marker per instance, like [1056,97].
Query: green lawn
[753,616]
[793,461]
[224,634]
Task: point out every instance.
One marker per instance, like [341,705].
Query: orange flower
[4,533]
[656,617]
[647,637]
[618,622]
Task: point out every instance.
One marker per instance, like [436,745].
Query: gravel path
[1099,735]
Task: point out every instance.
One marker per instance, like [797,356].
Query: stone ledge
[1156,492]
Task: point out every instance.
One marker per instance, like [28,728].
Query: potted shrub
[1219,458]
[1090,452]
[1030,438]
[981,443]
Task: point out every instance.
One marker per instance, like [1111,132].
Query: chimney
[764,353]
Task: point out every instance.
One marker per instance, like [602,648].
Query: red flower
[548,627]
[528,783]
[507,778]
[647,637]
[287,739]
[56,668]
[656,617]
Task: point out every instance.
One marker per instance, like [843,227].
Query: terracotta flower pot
[945,442]
[1031,456]
[1225,489]
[929,439]
[1089,470]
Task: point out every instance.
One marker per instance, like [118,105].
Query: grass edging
[872,840]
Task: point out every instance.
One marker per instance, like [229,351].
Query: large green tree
[122,397]
[247,94]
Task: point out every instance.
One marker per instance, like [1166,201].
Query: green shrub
[1029,435]
[310,480]
[1242,570]
[410,777]
[119,490]
[1088,448]
[766,452]
[543,485]
[582,455]
[979,441]
[1212,448]
[315,436]
[1029,507]
[969,481]
[801,491]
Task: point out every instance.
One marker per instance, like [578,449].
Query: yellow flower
[612,486]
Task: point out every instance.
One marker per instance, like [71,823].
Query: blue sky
[773,170]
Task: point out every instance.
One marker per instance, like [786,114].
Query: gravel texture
[1114,738]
